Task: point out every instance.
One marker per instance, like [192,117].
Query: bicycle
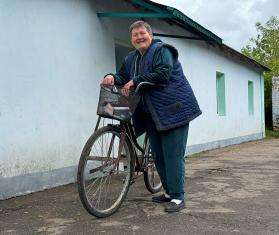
[112,158]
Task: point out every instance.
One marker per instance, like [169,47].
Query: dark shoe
[161,199]
[173,207]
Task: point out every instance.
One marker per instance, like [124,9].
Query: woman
[163,113]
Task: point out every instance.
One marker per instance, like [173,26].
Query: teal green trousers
[169,148]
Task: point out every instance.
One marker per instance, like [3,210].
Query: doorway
[121,50]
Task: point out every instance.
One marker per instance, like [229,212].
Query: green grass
[272,134]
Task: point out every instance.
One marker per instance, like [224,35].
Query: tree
[264,48]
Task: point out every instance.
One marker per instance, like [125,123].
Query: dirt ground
[229,190]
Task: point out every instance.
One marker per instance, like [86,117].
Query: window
[220,94]
[250,97]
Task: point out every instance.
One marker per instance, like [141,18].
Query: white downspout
[262,105]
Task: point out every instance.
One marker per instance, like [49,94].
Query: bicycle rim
[151,177]
[104,172]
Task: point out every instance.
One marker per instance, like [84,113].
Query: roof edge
[234,53]
[179,17]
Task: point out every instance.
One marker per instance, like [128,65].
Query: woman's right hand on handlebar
[108,80]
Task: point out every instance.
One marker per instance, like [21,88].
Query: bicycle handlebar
[114,89]
[147,84]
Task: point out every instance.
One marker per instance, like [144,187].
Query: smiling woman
[164,111]
[141,36]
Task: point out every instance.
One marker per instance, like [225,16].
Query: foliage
[272,134]
[264,48]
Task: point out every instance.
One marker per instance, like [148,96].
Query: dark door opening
[121,50]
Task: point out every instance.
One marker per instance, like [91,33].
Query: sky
[232,20]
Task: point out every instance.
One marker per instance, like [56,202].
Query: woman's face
[141,39]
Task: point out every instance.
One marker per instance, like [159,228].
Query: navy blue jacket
[172,106]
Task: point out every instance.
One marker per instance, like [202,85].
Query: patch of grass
[272,134]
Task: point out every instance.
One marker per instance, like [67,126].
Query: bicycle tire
[150,172]
[101,173]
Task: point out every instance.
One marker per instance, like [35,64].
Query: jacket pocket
[174,108]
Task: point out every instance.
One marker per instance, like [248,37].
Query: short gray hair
[141,23]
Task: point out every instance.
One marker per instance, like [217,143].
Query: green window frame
[221,94]
[250,97]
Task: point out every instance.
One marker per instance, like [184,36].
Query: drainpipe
[262,105]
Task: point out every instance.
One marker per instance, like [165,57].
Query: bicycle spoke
[110,146]
[97,190]
[106,171]
[106,191]
[90,186]
[100,191]
[104,187]
[89,191]
[106,164]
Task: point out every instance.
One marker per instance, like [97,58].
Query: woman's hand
[127,87]
[108,80]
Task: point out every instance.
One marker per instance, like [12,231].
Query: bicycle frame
[128,130]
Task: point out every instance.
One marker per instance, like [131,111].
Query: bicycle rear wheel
[104,171]
[151,177]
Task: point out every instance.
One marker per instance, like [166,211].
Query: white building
[53,55]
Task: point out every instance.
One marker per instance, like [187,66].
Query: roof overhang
[150,9]
[179,18]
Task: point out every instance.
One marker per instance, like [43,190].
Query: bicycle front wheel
[104,171]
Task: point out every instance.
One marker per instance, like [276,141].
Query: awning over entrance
[149,9]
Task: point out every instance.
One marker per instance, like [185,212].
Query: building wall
[52,60]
